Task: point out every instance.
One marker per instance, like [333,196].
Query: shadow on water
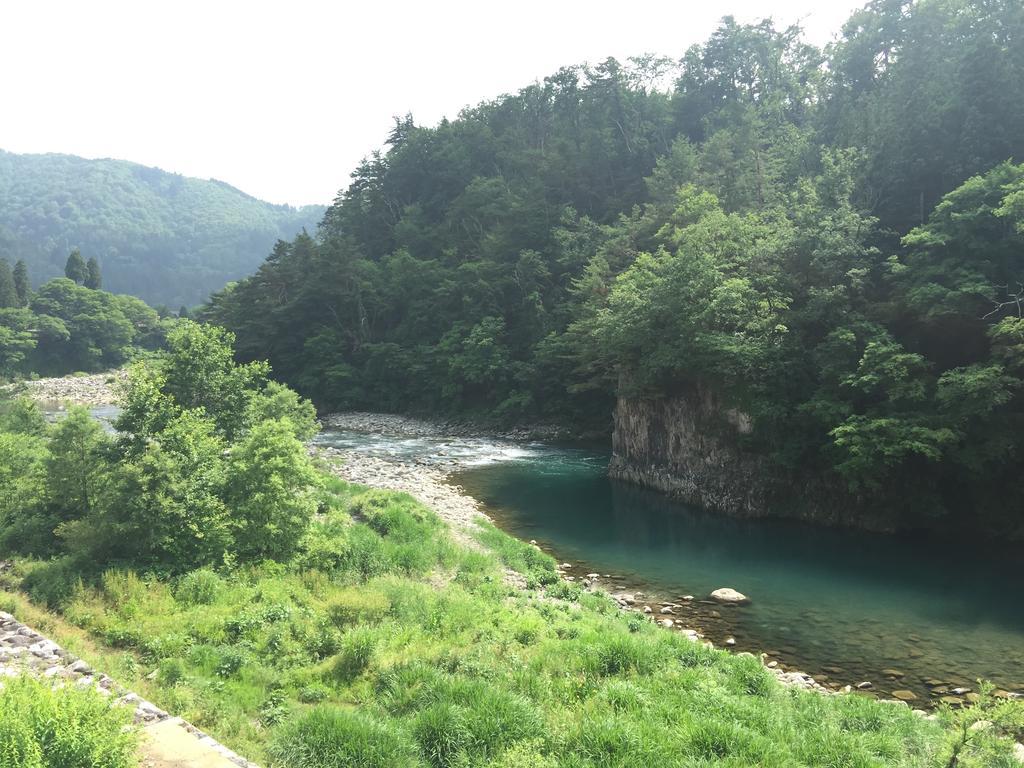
[822,598]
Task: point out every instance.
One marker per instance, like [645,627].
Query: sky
[283,99]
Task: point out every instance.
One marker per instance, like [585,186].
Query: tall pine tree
[93,279]
[75,269]
[21,284]
[8,296]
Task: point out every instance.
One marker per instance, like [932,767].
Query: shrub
[356,653]
[442,734]
[314,693]
[172,671]
[53,584]
[46,727]
[627,653]
[231,660]
[330,737]
[365,556]
[201,587]
[358,606]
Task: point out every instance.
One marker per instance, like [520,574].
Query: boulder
[730,596]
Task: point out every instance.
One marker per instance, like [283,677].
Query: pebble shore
[95,389]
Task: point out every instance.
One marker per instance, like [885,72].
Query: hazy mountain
[166,238]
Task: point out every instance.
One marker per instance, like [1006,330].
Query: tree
[75,268]
[22,286]
[270,483]
[8,293]
[93,279]
[198,371]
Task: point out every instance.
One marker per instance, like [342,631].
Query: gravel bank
[408,426]
[95,389]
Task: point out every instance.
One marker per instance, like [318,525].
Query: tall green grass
[42,726]
[386,644]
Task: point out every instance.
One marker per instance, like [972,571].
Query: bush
[356,653]
[365,556]
[330,737]
[172,671]
[442,733]
[314,693]
[201,587]
[358,606]
[54,583]
[627,653]
[46,727]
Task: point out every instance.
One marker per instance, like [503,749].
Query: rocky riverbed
[407,426]
[95,389]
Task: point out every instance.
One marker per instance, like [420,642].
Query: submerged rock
[904,695]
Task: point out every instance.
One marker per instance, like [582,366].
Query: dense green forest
[829,239]
[165,238]
[69,324]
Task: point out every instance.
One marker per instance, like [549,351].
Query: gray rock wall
[690,446]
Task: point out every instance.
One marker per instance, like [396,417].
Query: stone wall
[690,446]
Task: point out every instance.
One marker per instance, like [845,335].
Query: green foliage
[206,469]
[75,268]
[22,289]
[160,236]
[93,279]
[8,291]
[269,490]
[42,726]
[451,671]
[65,327]
[820,243]
[330,737]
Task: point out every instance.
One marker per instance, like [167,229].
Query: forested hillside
[165,238]
[829,240]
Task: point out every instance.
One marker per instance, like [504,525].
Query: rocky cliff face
[690,446]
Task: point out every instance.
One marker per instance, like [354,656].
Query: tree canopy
[830,239]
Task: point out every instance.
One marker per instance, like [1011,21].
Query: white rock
[729,595]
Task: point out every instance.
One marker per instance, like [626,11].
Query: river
[847,607]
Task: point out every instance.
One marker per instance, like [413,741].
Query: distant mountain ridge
[166,238]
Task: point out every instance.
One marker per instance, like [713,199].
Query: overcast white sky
[282,99]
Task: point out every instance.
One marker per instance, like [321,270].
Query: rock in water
[904,695]
[729,595]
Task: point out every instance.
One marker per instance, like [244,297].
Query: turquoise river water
[844,606]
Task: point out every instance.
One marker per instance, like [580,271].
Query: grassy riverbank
[386,643]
